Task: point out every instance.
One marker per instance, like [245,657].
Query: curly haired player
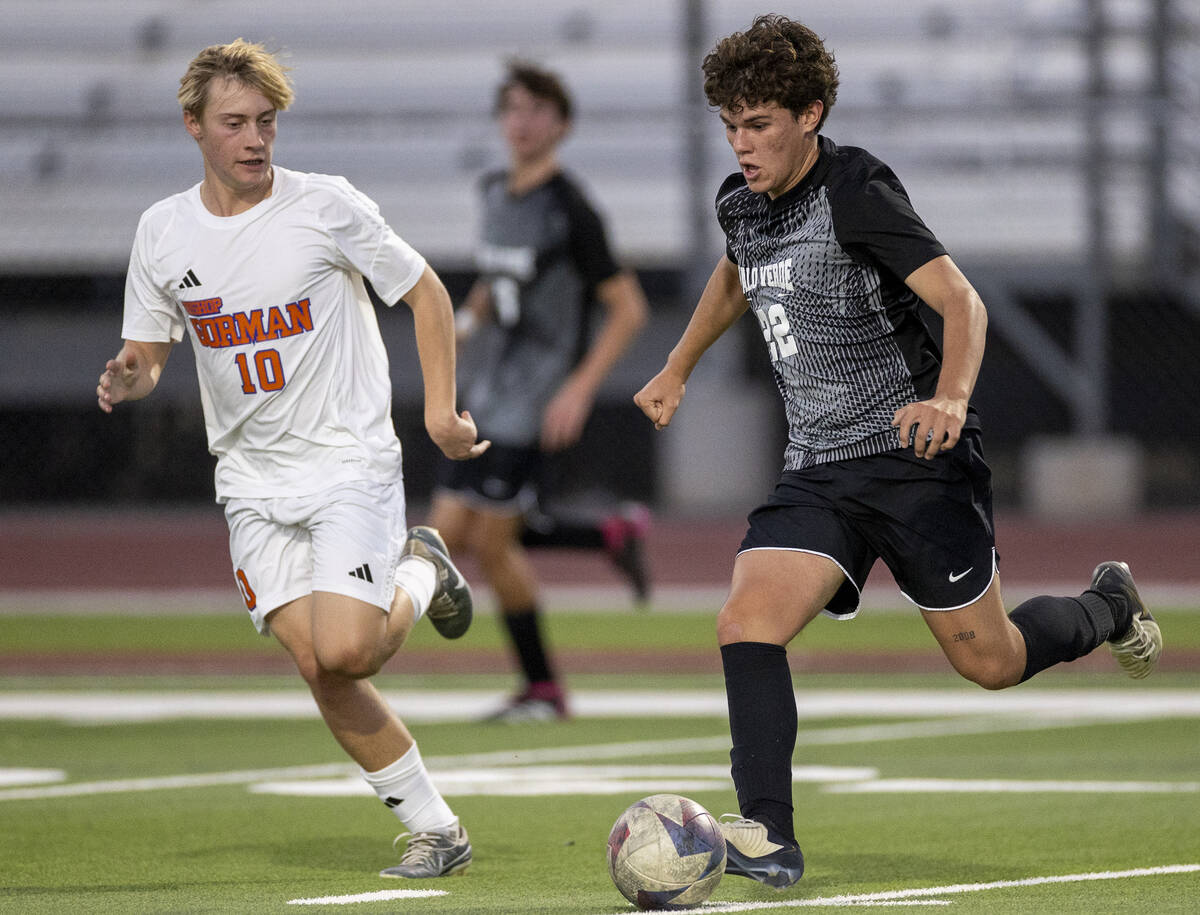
[884,457]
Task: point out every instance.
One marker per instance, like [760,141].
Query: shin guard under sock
[1059,629]
[762,725]
[524,628]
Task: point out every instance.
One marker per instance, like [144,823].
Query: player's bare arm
[433,320]
[720,305]
[132,373]
[934,425]
[473,312]
[626,313]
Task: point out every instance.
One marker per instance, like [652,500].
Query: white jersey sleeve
[367,242]
[293,373]
[151,313]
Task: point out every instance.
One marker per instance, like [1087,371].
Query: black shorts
[930,521]
[502,479]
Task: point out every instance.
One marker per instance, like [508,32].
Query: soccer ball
[666,852]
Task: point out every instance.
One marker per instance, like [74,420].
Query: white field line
[439,765]
[109,707]
[1008,786]
[541,781]
[379,896]
[930,892]
[170,782]
[521,758]
[14,776]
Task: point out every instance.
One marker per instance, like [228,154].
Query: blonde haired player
[263,268]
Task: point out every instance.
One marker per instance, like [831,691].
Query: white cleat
[1138,649]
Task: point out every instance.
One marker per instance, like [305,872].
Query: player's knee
[991,672]
[733,626]
[495,555]
[345,659]
[307,666]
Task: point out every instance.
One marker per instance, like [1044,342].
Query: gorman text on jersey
[245,327]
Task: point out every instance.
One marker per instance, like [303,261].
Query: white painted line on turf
[1002,786]
[934,891]
[96,707]
[380,896]
[31,776]
[500,783]
[622,751]
[167,782]
[541,781]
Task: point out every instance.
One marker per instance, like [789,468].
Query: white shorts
[346,540]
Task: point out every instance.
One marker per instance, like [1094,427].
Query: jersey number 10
[267,372]
[776,331]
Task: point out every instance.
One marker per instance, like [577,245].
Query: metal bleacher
[988,110]
[975,103]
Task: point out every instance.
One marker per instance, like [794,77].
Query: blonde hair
[248,63]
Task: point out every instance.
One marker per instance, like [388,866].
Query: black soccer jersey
[823,268]
[542,253]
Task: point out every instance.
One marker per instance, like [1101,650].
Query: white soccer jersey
[293,372]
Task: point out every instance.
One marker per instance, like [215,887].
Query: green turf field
[1078,792]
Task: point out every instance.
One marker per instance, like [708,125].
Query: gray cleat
[432,854]
[450,611]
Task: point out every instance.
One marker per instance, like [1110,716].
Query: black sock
[547,531]
[1122,610]
[525,631]
[762,725]
[1059,629]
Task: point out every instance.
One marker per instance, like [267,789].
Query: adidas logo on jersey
[363,572]
[189,280]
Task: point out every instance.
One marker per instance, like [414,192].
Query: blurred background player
[262,267]
[884,456]
[543,259]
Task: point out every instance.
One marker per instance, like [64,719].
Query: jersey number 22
[776,331]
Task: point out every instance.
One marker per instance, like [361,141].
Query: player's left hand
[930,426]
[457,437]
[660,397]
[564,417]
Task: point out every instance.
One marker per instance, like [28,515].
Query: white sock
[418,578]
[405,786]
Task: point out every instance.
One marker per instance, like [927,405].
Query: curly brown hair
[775,60]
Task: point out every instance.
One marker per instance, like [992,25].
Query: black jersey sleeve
[724,217]
[587,237]
[874,220]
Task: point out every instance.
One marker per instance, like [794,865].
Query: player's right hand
[116,381]
[458,438]
[660,398]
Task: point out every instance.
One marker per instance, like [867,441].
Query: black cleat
[753,850]
[625,545]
